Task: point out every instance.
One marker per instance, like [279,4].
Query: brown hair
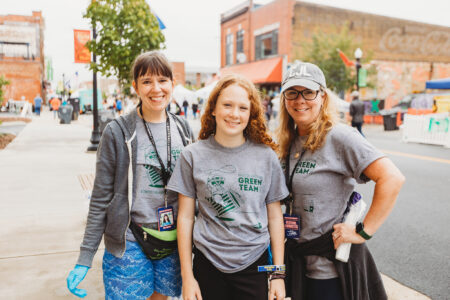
[153,62]
[317,131]
[256,129]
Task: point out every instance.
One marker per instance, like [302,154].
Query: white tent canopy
[341,104]
[204,92]
[180,93]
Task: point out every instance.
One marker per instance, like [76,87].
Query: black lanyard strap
[165,171]
[289,179]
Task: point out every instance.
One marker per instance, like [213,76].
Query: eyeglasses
[292,94]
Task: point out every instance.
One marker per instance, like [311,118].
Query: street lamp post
[95,137]
[64,89]
[358,55]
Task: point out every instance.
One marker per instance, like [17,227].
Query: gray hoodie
[112,197]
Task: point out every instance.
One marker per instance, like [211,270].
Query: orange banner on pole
[80,38]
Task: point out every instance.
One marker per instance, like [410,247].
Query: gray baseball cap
[304,74]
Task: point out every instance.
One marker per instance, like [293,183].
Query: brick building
[22,55]
[259,40]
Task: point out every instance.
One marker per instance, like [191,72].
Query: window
[240,41]
[229,50]
[266,45]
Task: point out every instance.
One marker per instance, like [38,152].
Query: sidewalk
[43,210]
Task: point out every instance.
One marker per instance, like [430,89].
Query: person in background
[174,107]
[55,103]
[119,106]
[323,161]
[357,109]
[194,109]
[185,107]
[37,105]
[135,159]
[234,176]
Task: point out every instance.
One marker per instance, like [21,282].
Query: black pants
[323,289]
[248,284]
[358,125]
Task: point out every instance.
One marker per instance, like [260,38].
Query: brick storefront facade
[22,55]
[405,53]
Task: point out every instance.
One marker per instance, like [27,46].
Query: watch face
[359,227]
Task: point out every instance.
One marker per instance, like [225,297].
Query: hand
[75,277]
[191,289]
[277,290]
[346,233]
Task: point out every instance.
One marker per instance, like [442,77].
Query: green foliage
[3,82]
[322,51]
[125,28]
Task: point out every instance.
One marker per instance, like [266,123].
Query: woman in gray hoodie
[135,159]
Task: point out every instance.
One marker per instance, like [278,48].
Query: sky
[192,27]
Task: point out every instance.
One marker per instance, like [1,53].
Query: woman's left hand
[277,289]
[346,233]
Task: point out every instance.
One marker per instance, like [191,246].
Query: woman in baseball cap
[324,160]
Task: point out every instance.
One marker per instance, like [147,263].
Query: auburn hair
[256,129]
[317,131]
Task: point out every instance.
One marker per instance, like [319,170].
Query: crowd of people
[228,237]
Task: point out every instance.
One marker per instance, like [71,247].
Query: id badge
[166,219]
[291,226]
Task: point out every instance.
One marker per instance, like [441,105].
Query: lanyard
[289,179]
[165,171]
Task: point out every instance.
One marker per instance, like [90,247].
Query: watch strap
[361,232]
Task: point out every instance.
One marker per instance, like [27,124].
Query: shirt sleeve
[357,154]
[182,180]
[277,189]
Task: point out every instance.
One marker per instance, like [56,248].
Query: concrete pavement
[43,210]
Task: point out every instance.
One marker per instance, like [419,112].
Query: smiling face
[232,112]
[155,92]
[302,111]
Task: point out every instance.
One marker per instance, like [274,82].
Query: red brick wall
[280,11]
[387,38]
[395,79]
[178,72]
[26,76]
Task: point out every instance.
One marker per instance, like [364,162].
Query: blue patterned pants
[134,276]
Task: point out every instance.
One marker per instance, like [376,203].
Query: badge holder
[166,218]
[291,222]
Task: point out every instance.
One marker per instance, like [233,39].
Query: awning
[439,84]
[259,72]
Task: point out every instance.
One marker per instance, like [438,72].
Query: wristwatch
[361,232]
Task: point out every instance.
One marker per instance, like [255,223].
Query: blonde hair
[317,131]
[256,129]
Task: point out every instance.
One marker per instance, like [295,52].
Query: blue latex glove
[75,277]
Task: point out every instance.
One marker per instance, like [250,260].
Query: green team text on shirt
[249,183]
[304,167]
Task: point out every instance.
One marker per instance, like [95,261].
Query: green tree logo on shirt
[153,172]
[222,200]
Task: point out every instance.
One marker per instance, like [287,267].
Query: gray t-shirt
[149,183]
[323,183]
[233,187]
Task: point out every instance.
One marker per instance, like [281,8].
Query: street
[413,244]
[43,209]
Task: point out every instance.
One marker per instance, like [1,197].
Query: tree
[322,51]
[125,28]
[3,82]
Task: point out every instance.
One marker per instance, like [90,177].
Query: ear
[213,113]
[135,87]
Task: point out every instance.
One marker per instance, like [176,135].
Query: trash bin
[65,114]
[104,117]
[390,121]
[75,102]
